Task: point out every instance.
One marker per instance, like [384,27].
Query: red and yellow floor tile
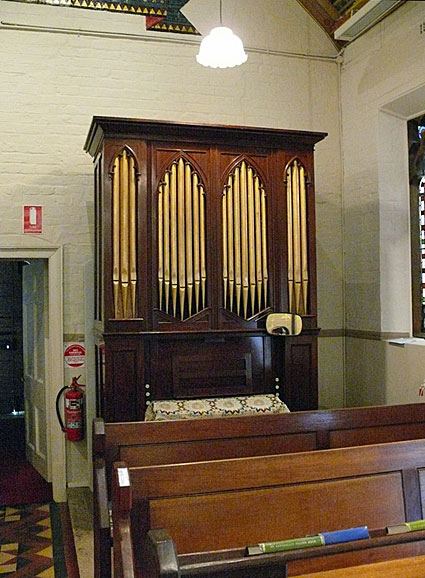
[26,547]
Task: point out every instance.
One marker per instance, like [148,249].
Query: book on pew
[321,539]
[405,527]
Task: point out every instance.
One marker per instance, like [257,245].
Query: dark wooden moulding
[155,355]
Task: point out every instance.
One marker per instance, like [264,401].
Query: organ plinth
[201,231]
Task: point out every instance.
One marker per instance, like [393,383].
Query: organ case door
[201,232]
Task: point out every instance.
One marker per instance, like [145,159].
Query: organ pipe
[124,242]
[189,235]
[132,236]
[165,233]
[245,261]
[116,236]
[181,241]
[298,277]
[228,208]
[237,242]
[173,237]
[203,248]
[196,246]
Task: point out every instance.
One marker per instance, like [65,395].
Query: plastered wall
[382,85]
[60,66]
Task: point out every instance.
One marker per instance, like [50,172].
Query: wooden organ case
[201,232]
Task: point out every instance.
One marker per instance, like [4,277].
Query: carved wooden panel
[209,366]
[124,380]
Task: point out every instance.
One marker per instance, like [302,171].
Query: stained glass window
[416,136]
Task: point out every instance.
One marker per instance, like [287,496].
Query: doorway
[12,414]
[42,362]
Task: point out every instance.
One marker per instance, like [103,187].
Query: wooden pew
[210,507]
[150,443]
[162,559]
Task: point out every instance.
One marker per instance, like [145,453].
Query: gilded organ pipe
[124,232]
[296,234]
[298,277]
[264,245]
[116,236]
[160,241]
[251,236]
[304,252]
[124,242]
[196,247]
[290,243]
[189,236]
[166,237]
[230,241]
[173,227]
[245,269]
[132,239]
[237,245]
[225,255]
[181,235]
[181,241]
[258,252]
[203,248]
[244,238]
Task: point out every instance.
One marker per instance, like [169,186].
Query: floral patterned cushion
[214,407]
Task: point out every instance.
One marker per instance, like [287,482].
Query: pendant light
[221,48]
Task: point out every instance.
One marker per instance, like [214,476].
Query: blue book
[348,535]
[321,539]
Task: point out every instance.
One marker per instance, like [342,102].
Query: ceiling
[343,5]
[332,13]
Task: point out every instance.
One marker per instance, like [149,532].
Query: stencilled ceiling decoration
[343,5]
[331,14]
[161,15]
[173,20]
[166,15]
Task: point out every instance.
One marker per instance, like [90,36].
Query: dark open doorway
[12,415]
[19,481]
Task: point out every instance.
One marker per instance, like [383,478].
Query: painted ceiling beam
[326,15]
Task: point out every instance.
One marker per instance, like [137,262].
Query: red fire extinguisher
[73,410]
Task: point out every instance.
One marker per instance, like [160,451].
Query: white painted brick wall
[53,83]
[383,70]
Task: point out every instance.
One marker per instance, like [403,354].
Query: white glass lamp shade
[221,49]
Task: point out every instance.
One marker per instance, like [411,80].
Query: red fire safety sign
[75,355]
[33,219]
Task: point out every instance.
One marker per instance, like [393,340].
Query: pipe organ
[201,233]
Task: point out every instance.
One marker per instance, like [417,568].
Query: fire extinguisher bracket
[73,410]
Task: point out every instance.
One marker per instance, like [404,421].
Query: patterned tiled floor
[26,547]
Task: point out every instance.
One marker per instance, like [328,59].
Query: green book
[285,545]
[406,527]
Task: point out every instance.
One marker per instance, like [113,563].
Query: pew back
[232,503]
[149,443]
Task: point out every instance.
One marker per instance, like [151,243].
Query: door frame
[54,357]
